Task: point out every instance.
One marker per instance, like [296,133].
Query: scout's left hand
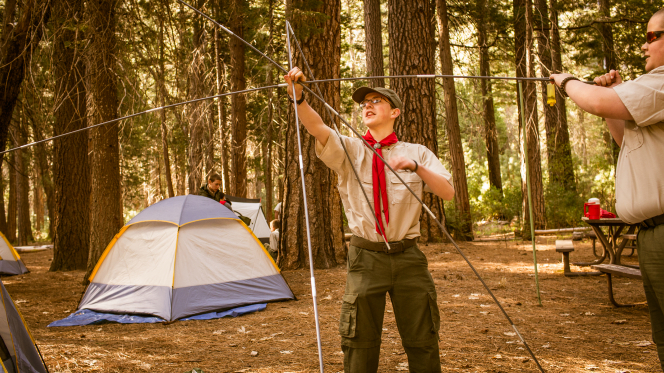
[401,163]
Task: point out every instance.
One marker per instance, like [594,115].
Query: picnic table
[613,242]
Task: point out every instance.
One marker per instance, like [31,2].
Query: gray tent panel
[8,267]
[148,300]
[27,357]
[206,298]
[184,209]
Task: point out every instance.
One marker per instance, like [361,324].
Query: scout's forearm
[438,183]
[313,123]
[601,101]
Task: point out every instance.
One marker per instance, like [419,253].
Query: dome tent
[18,351]
[252,209]
[183,256]
[10,261]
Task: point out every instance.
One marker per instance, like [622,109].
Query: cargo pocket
[348,316]
[435,314]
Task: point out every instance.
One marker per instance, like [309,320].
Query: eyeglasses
[373,101]
[653,35]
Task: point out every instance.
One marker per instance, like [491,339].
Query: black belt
[395,247]
[653,222]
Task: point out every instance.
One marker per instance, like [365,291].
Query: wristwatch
[300,101]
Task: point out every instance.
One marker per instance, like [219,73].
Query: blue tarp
[88,317]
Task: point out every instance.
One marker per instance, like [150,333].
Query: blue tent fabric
[89,317]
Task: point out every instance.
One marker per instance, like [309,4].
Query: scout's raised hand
[294,76]
[610,79]
[401,163]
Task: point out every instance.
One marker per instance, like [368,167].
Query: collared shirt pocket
[397,191]
[633,137]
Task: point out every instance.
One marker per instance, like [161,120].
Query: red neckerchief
[378,176]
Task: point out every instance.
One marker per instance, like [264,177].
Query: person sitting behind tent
[212,189]
[274,238]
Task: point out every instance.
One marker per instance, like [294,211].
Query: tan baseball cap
[393,97]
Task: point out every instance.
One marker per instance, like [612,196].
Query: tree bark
[322,48]
[15,38]
[464,230]
[267,144]
[44,171]
[71,171]
[106,196]
[238,103]
[490,132]
[38,202]
[3,213]
[11,204]
[373,39]
[23,187]
[196,112]
[523,26]
[610,59]
[563,172]
[162,114]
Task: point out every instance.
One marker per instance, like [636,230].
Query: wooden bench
[618,270]
[565,247]
[630,237]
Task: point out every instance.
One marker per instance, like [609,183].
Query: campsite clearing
[577,329]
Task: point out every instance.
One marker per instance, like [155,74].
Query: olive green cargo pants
[650,246]
[405,276]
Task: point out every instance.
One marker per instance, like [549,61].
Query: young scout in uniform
[634,113]
[372,270]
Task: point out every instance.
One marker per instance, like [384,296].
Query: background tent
[18,350]
[183,256]
[10,261]
[252,209]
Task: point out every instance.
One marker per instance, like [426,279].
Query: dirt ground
[576,329]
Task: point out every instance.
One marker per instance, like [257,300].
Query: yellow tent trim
[105,253]
[11,248]
[175,255]
[3,367]
[260,244]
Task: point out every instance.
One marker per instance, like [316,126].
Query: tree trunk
[524,68]
[490,132]
[562,144]
[3,214]
[610,58]
[373,39]
[45,176]
[267,144]
[38,202]
[162,113]
[238,103]
[23,187]
[322,49]
[221,115]
[71,171]
[11,204]
[106,196]
[410,28]
[197,117]
[464,229]
[16,37]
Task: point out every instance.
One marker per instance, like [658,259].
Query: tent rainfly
[18,351]
[252,209]
[10,261]
[183,256]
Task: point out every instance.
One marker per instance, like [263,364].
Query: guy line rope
[331,113]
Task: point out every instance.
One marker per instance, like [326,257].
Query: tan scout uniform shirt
[640,173]
[404,209]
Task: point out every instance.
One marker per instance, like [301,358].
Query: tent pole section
[306,208]
[530,194]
